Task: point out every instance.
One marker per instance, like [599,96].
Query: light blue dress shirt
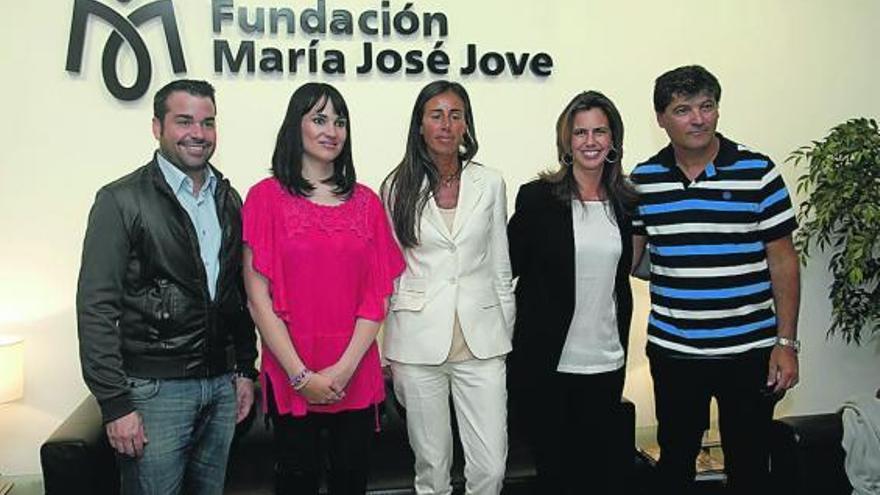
[202,212]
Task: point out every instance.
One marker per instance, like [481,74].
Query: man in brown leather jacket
[166,343]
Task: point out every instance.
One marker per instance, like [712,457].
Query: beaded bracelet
[300,380]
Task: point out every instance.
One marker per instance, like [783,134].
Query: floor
[33,485]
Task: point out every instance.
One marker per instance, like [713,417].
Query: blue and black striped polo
[710,285]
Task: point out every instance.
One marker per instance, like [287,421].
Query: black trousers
[299,450]
[683,388]
[572,424]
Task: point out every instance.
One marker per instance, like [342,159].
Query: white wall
[790,70]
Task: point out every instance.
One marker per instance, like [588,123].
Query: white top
[458,350]
[593,343]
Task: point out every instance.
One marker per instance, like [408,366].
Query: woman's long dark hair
[405,190]
[618,190]
[287,158]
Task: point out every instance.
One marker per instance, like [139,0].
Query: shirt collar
[726,155]
[178,180]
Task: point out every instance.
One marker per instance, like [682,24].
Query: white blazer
[467,270]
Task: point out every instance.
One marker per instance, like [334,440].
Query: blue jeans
[189,424]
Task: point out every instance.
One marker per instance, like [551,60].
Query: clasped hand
[327,386]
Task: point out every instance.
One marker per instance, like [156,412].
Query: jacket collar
[471,188]
[470,191]
[178,180]
[159,181]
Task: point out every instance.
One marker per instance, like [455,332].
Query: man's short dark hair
[191,86]
[687,81]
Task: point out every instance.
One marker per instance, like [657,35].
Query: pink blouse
[326,266]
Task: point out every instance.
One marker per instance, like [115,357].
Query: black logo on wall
[301,42]
[125,30]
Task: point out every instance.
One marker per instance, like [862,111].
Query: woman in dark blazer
[571,250]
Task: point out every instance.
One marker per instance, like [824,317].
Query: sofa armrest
[76,458]
[806,455]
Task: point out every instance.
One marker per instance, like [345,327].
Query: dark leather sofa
[77,459]
[807,456]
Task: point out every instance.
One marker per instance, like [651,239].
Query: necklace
[449,180]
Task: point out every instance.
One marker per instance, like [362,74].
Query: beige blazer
[467,270]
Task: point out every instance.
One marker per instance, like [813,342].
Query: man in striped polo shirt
[724,286]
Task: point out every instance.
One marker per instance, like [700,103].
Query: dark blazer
[541,242]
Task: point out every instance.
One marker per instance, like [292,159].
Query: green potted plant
[842,216]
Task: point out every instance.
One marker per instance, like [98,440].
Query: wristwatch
[250,374]
[793,343]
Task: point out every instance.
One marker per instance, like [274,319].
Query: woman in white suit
[452,311]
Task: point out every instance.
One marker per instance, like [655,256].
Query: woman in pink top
[319,264]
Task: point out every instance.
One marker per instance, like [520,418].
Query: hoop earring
[608,158]
[567,159]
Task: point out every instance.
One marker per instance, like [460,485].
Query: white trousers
[479,394]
